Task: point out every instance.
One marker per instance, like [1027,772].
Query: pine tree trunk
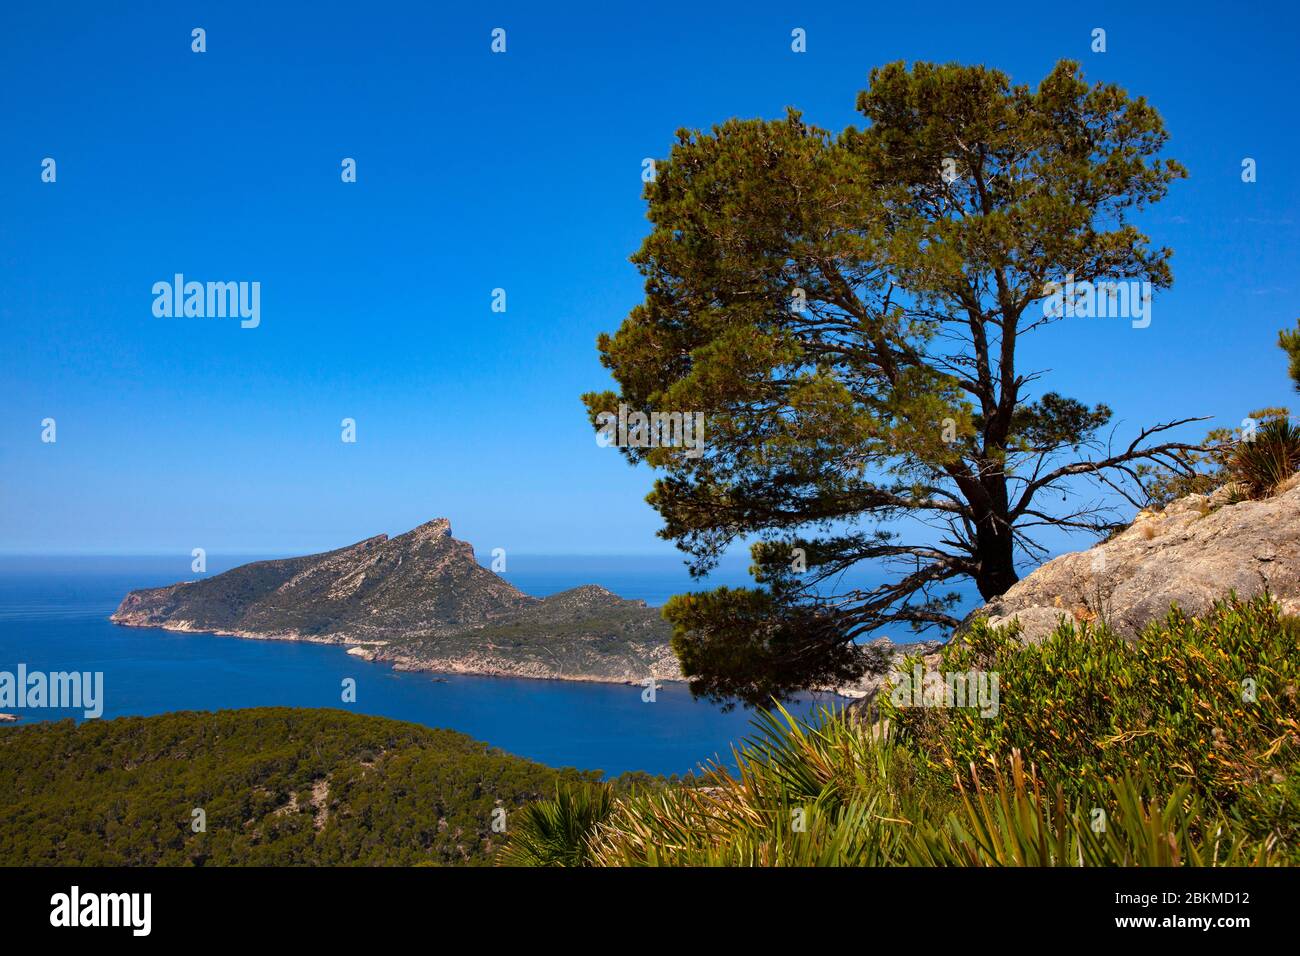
[995,546]
[997,568]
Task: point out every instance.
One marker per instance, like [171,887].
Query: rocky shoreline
[668,671]
[663,668]
[419,601]
[376,652]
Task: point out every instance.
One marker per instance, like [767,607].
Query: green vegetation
[1260,465]
[552,832]
[1209,703]
[1181,748]
[279,786]
[585,630]
[1289,342]
[845,310]
[1247,464]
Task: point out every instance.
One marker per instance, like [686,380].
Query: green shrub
[1020,822]
[556,832]
[1179,748]
[836,792]
[1056,701]
[1267,460]
[1084,705]
[1226,457]
[803,793]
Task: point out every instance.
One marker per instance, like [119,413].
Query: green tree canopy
[845,311]
[1289,341]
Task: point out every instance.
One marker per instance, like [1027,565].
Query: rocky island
[422,602]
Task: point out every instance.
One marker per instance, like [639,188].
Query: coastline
[367,651]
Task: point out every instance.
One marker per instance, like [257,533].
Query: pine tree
[1289,342]
[846,310]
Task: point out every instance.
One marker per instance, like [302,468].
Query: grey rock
[1192,553]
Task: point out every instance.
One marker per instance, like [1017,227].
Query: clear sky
[519,171]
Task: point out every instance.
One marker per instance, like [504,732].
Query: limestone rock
[1192,553]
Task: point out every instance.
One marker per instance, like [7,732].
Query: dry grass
[1288,485]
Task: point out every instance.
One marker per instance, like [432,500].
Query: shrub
[1185,741]
[1085,704]
[835,792]
[1204,470]
[556,832]
[1265,462]
[1019,822]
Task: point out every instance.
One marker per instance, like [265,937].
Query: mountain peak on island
[433,530]
[430,530]
[422,600]
[433,534]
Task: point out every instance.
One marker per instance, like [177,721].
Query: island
[420,601]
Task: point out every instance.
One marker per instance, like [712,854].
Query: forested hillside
[276,786]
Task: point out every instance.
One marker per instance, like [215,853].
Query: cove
[57,621]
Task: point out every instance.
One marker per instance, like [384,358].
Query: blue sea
[54,617]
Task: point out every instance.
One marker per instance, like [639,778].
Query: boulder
[1191,553]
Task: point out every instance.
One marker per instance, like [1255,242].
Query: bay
[54,617]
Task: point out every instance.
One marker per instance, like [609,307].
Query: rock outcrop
[1192,553]
[422,601]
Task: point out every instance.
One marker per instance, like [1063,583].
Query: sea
[54,617]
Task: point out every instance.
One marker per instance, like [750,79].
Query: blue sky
[519,171]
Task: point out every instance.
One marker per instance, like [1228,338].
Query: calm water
[53,617]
